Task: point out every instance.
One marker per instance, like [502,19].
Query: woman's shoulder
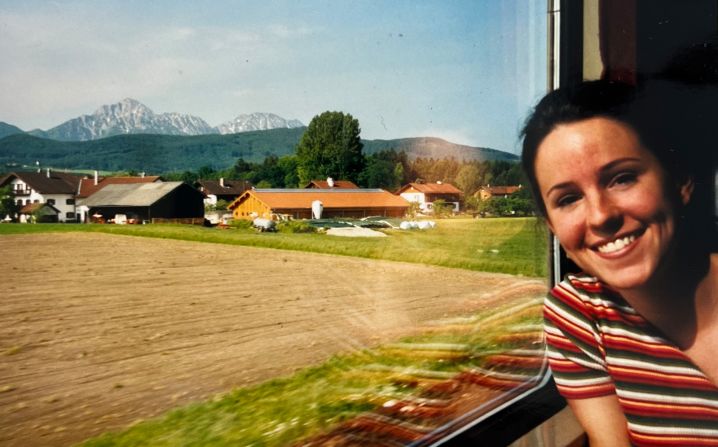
[582,284]
[585,291]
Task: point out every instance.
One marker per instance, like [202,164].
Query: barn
[147,201]
[297,203]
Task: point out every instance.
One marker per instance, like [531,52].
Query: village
[52,196]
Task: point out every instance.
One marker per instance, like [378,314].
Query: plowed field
[98,331]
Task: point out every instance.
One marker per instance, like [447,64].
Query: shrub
[442,209]
[240,224]
[295,226]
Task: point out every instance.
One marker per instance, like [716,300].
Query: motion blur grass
[285,411]
[504,245]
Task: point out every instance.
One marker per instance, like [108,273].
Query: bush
[295,226]
[442,209]
[240,224]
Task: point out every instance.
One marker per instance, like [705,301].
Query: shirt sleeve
[574,350]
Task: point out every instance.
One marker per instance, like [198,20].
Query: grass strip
[515,246]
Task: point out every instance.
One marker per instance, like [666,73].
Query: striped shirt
[598,345]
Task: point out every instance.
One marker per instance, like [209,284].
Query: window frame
[568,57]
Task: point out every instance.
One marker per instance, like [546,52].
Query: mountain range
[130,136]
[165,153]
[130,116]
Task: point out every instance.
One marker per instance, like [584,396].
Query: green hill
[8,129]
[163,153]
[436,148]
[150,153]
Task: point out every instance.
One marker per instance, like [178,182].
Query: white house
[57,189]
[425,194]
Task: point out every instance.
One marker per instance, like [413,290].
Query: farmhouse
[330,183]
[488,192]
[425,194]
[297,203]
[57,189]
[221,189]
[146,201]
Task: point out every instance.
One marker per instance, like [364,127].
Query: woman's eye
[567,200]
[624,178]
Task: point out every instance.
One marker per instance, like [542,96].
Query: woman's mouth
[616,245]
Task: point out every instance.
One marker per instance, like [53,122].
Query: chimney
[47,172]
[97,174]
[330,182]
[221,182]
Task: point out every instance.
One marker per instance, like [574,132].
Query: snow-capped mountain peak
[257,121]
[130,116]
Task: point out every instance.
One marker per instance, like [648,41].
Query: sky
[466,71]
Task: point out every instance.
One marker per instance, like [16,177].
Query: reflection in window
[466,73]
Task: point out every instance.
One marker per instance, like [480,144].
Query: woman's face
[607,200]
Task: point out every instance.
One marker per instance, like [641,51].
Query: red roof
[338,184]
[88,187]
[431,188]
[334,198]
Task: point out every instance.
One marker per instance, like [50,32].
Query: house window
[50,201]
[69,215]
[70,202]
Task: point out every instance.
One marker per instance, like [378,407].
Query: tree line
[331,147]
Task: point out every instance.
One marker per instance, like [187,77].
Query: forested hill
[163,153]
[436,148]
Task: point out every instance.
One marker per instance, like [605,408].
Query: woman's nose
[603,215]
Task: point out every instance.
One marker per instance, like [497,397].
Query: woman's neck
[682,299]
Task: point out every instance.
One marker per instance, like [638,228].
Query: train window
[429,335]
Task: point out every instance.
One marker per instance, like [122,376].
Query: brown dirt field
[98,331]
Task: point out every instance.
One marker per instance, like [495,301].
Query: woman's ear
[686,190]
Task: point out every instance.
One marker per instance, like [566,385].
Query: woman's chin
[625,279]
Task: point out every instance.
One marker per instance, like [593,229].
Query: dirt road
[98,331]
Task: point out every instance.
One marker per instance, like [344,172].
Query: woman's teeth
[616,245]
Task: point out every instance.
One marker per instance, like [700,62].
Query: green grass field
[509,245]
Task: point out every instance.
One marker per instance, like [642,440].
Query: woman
[632,341]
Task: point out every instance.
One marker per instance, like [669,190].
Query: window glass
[401,339]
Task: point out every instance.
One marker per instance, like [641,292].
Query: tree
[206,172]
[330,147]
[441,209]
[270,172]
[288,164]
[8,207]
[469,179]
[382,170]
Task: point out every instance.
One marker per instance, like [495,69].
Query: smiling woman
[605,197]
[631,340]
